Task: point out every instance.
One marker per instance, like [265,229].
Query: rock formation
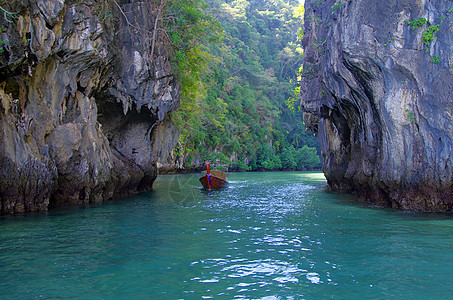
[378,90]
[83,101]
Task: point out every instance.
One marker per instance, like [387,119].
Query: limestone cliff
[83,101]
[378,90]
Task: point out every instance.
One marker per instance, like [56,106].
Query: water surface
[267,236]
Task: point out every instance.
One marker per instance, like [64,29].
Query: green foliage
[241,165]
[429,34]
[216,158]
[308,158]
[289,157]
[435,59]
[417,23]
[292,101]
[298,12]
[272,162]
[190,26]
[410,115]
[192,29]
[337,6]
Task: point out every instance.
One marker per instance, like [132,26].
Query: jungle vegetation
[238,63]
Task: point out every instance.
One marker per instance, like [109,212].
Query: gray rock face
[378,91]
[81,98]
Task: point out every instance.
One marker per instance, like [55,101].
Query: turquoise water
[268,235]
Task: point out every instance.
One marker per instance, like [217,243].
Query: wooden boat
[213,179]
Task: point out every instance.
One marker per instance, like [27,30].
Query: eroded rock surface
[81,98]
[378,91]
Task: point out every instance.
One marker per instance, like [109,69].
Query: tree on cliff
[183,23]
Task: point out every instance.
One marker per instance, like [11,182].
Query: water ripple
[267,236]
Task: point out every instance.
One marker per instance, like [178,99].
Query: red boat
[213,179]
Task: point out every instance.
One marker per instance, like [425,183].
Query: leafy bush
[429,34]
[417,23]
[435,59]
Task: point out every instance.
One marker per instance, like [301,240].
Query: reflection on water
[267,236]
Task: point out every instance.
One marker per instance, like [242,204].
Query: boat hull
[216,182]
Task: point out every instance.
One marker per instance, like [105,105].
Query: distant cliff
[84,102]
[378,90]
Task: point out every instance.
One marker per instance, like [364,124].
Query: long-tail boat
[213,179]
